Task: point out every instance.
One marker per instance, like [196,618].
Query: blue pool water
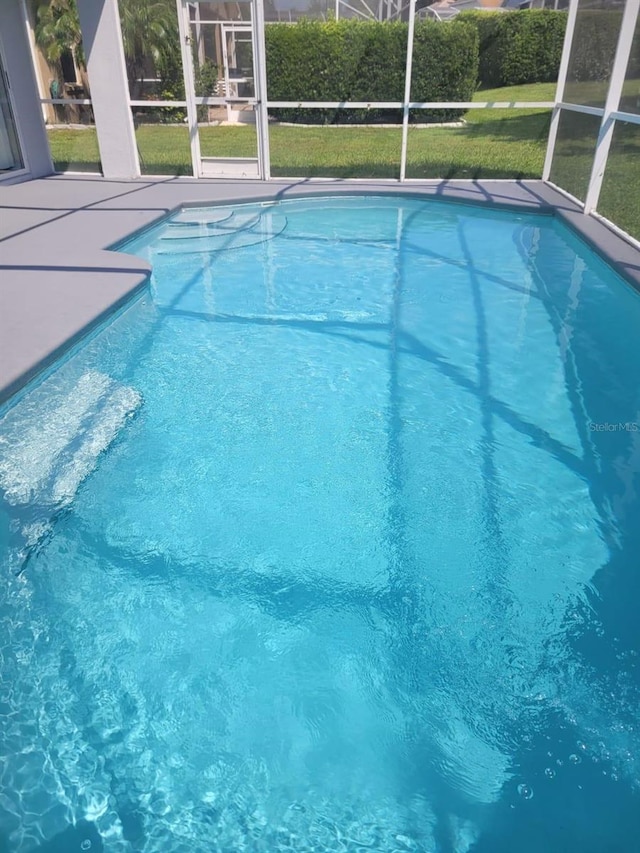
[330,543]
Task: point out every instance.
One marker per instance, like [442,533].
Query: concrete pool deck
[58,280]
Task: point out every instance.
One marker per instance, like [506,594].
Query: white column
[184,30]
[260,82]
[407,89]
[623,51]
[102,42]
[225,65]
[562,79]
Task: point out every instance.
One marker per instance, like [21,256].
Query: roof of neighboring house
[442,9]
[445,9]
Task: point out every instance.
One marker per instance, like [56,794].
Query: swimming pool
[330,543]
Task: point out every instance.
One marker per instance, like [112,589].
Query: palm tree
[58,29]
[149,34]
[150,37]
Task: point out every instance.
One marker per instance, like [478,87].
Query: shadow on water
[405,344]
[552,819]
[561,815]
[585,799]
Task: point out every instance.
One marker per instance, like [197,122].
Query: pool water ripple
[322,546]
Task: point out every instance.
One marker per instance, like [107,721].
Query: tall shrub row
[594,44]
[365,61]
[518,47]
[526,46]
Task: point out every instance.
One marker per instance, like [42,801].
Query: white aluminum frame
[407,90]
[416,105]
[14,174]
[189,85]
[223,167]
[260,81]
[562,80]
[618,74]
[608,114]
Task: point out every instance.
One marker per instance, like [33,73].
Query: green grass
[492,144]
[594,92]
[620,196]
[74,150]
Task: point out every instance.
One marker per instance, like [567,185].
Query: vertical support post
[623,51]
[562,79]
[42,91]
[225,65]
[199,39]
[260,76]
[102,42]
[337,10]
[407,89]
[189,85]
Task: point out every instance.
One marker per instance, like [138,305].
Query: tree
[149,35]
[58,29]
[150,38]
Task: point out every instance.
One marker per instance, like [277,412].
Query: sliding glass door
[10,156]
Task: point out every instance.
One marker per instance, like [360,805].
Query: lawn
[492,144]
[620,195]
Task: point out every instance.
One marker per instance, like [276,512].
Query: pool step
[100,433]
[181,230]
[45,455]
[201,216]
[250,234]
[206,227]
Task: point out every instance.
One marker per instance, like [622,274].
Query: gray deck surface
[57,281]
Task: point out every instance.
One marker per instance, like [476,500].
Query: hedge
[518,47]
[526,46]
[365,61]
[594,44]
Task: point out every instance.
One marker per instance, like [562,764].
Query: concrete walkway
[57,279]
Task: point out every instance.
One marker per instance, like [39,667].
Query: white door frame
[226,167]
[231,28]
